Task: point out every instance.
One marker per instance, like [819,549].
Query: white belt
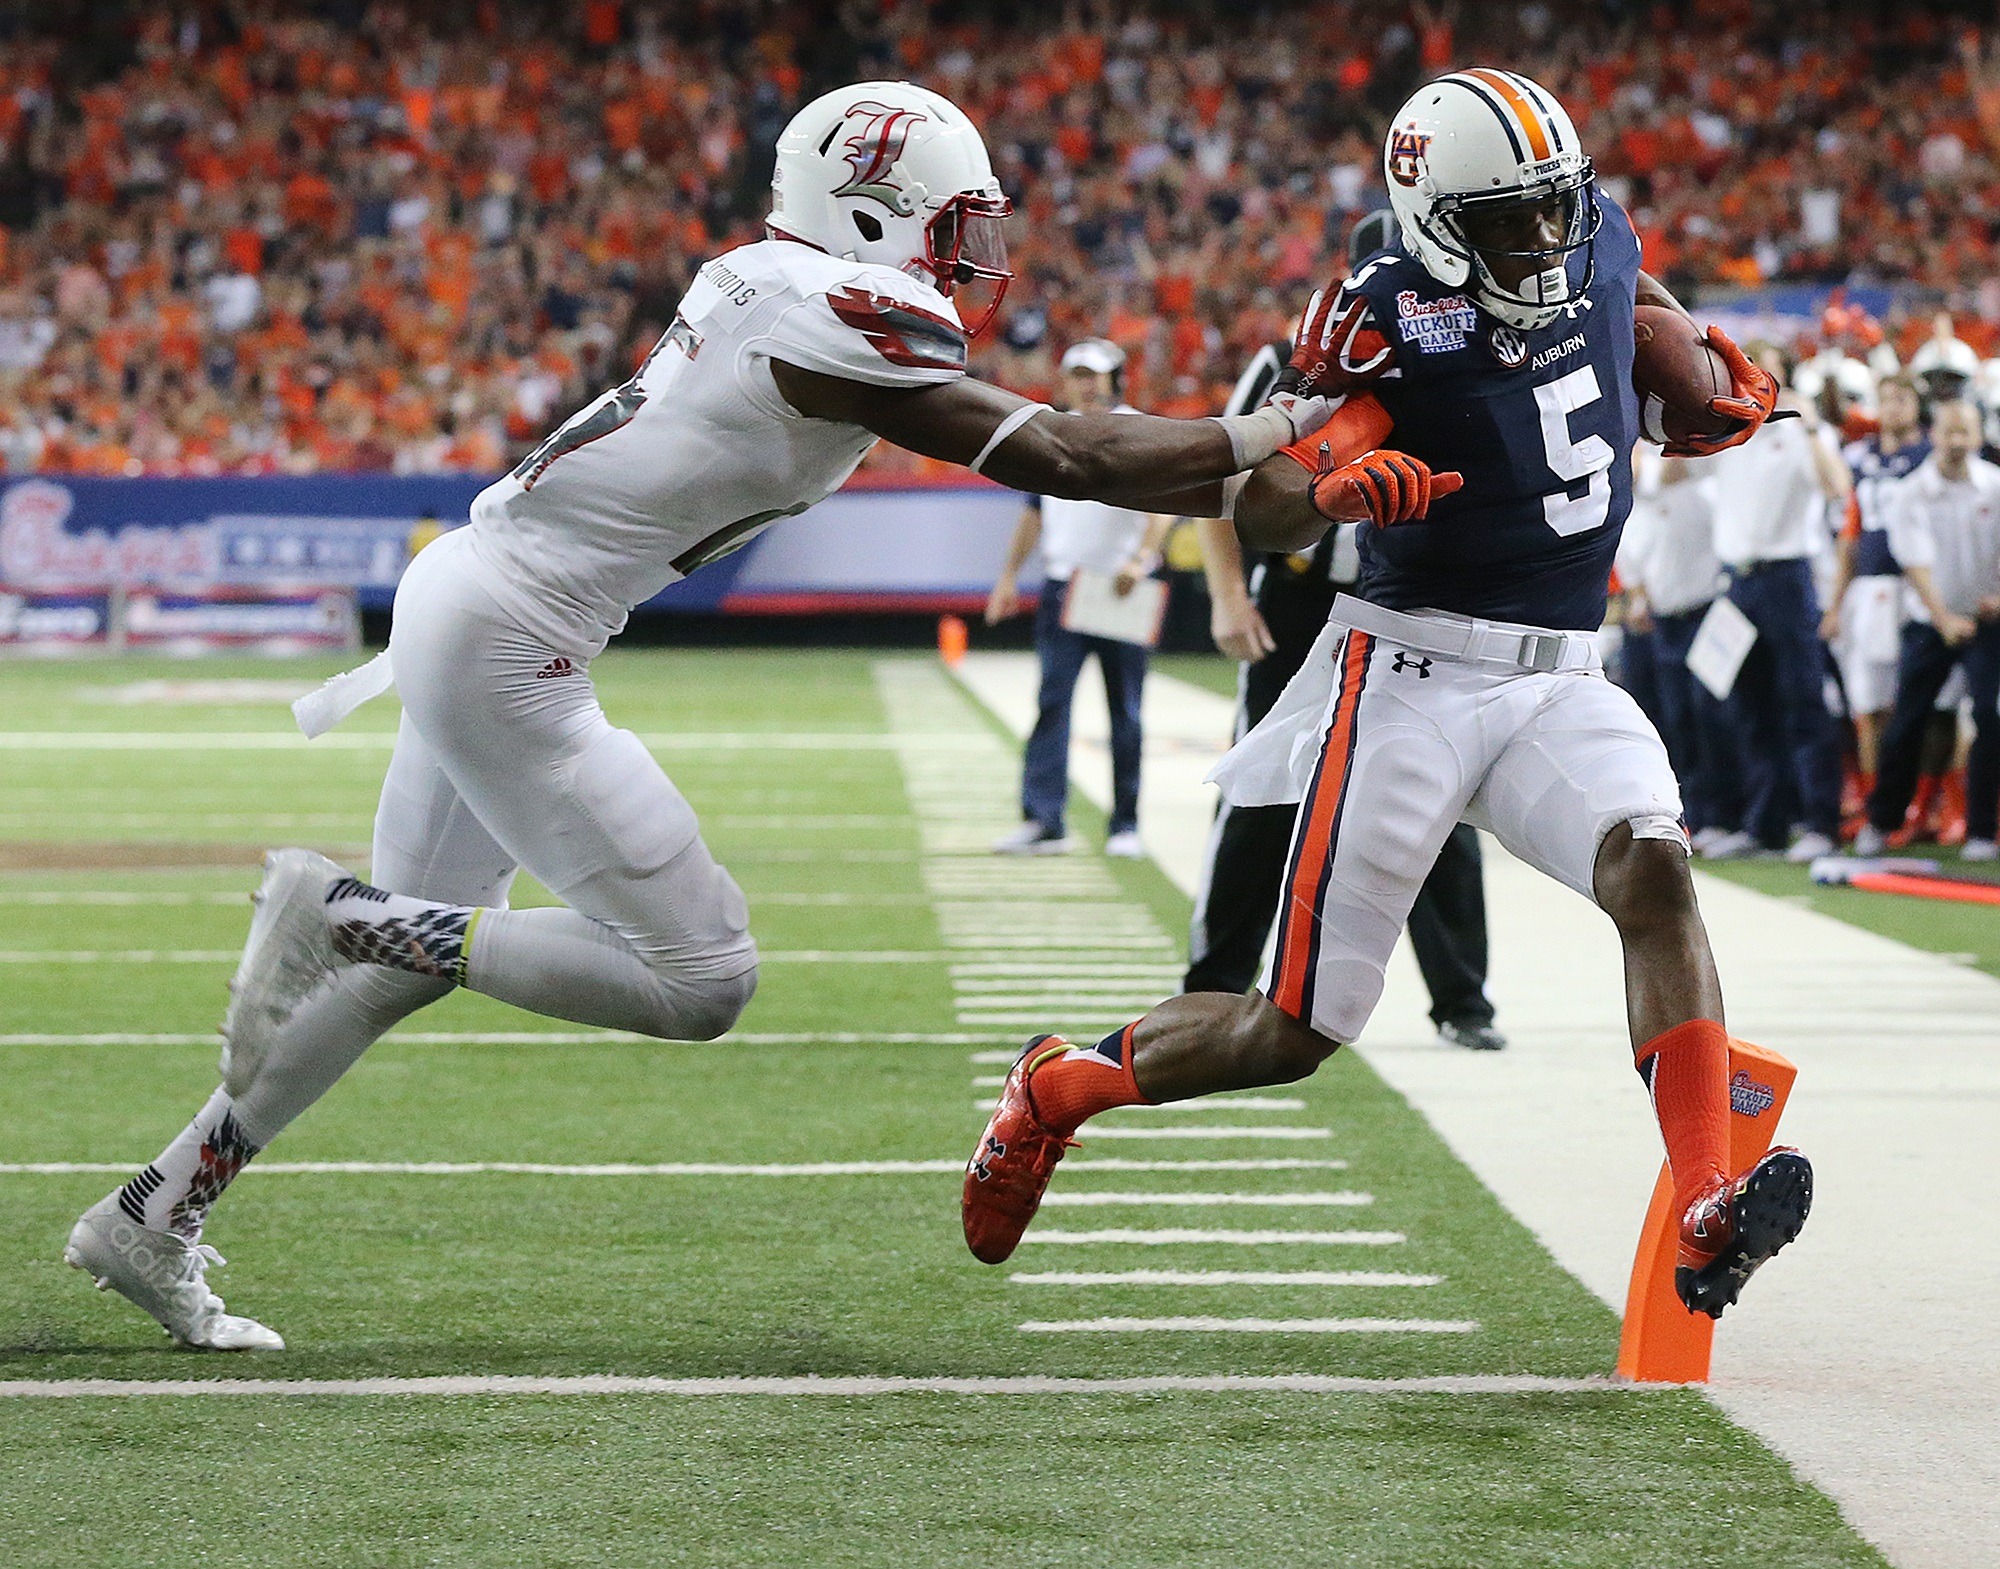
[1471,640]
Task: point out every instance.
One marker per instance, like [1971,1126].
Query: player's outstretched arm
[1129,459]
[1338,475]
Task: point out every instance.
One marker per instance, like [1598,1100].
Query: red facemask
[963,245]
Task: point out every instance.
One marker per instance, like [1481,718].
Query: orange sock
[1687,1071]
[1072,1084]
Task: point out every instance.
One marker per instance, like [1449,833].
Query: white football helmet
[893,173]
[1485,167]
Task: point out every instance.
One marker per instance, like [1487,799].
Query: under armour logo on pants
[1421,664]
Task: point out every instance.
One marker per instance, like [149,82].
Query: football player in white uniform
[788,359]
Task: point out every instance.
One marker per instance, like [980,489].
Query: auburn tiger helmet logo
[1407,148]
[872,152]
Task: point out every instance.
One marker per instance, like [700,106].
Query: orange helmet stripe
[1523,107]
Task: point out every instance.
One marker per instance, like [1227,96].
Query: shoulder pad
[877,326]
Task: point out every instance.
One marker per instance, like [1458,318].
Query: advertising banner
[188,558]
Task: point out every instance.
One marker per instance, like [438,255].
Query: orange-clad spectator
[603,21]
[310,201]
[243,249]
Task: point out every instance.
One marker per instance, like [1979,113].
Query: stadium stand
[257,236]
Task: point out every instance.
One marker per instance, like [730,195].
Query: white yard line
[231,955]
[1336,1200]
[562,1038]
[443,1168]
[1269,1163]
[1178,1236]
[1891,1409]
[1250,1326]
[835,1388]
[100,896]
[383,740]
[1099,1131]
[1222,1277]
[822,1168]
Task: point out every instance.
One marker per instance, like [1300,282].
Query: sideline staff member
[1122,545]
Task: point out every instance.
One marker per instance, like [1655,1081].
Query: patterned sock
[1071,1084]
[1687,1071]
[174,1192]
[371,926]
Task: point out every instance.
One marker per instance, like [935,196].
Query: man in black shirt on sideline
[1269,625]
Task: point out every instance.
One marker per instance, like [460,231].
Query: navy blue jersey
[1874,472]
[1541,424]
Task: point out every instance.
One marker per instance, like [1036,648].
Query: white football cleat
[1979,850]
[1126,845]
[289,952]
[164,1275]
[1732,846]
[1809,847]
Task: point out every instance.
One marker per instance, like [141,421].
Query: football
[1675,373]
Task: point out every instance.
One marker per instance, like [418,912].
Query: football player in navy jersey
[1864,615]
[1494,345]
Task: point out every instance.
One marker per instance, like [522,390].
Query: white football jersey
[698,452]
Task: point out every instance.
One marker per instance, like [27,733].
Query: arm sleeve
[1359,425]
[873,331]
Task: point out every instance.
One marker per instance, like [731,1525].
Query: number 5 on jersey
[1572,461]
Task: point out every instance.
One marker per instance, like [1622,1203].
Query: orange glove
[1753,396]
[1385,487]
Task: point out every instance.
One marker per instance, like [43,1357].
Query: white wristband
[1253,437]
[1004,429]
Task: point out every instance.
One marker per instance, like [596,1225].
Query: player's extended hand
[1383,487]
[1313,342]
[1239,629]
[1753,395]
[1002,602]
[1956,629]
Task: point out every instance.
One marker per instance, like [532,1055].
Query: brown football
[1675,373]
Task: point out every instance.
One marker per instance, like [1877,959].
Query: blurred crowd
[265,235]
[1812,620]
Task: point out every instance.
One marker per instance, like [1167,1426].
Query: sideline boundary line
[837,1387]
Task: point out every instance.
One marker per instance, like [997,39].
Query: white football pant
[505,759]
[1409,741]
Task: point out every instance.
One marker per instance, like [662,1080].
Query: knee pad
[704,1009]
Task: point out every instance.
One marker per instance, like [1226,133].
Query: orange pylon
[952,638]
[1663,1342]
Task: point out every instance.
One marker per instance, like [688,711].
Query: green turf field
[847,795]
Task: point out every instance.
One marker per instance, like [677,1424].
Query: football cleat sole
[1768,1210]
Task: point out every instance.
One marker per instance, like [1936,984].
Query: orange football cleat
[1010,1170]
[1737,1225]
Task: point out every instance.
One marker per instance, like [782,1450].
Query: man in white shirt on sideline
[1944,526]
[1771,501]
[1092,537]
[1671,577]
